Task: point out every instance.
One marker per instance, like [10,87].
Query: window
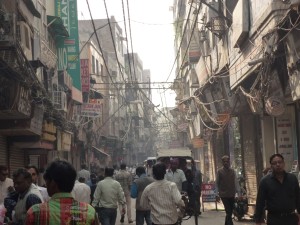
[27,38]
[101,70]
[97,67]
[93,65]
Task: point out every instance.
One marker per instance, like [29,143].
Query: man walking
[137,189]
[62,208]
[227,186]
[197,180]
[107,195]
[125,179]
[162,197]
[278,192]
[81,191]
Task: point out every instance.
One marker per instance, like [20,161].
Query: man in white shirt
[6,184]
[81,191]
[162,197]
[34,171]
[84,173]
[175,175]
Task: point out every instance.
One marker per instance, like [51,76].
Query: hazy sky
[152,36]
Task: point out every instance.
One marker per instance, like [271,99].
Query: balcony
[47,57]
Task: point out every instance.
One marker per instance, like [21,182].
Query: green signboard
[68,48]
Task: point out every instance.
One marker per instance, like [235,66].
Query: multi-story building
[37,95]
[236,69]
[115,124]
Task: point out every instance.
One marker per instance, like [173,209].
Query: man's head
[83,166]
[109,172]
[93,178]
[60,176]
[123,166]
[140,170]
[81,179]
[226,161]
[22,180]
[159,171]
[277,163]
[174,164]
[33,170]
[3,173]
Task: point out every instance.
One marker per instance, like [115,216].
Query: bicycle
[188,211]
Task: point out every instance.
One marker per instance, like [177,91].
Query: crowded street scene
[156,112]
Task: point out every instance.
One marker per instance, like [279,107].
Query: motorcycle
[240,208]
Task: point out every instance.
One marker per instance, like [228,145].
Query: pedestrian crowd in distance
[62,195]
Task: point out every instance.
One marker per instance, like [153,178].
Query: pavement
[210,216]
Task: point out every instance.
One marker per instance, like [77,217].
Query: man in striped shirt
[162,197]
[62,208]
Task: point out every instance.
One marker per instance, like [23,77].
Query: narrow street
[209,217]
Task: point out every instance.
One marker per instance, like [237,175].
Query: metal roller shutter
[17,158]
[3,151]
[248,130]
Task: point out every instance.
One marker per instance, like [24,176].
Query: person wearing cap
[175,175]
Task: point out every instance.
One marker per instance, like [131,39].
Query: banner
[68,48]
[85,75]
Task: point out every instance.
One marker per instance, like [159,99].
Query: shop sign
[208,192]
[222,119]
[91,110]
[49,127]
[198,142]
[49,131]
[285,139]
[66,141]
[85,75]
[68,48]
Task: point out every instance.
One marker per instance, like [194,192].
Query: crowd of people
[71,197]
[67,196]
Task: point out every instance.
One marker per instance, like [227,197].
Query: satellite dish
[275,106]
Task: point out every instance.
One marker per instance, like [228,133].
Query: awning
[29,4]
[97,149]
[96,94]
[174,152]
[57,26]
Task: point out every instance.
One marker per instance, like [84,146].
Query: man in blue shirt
[137,189]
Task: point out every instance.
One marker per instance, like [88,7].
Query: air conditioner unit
[60,100]
[26,34]
[6,26]
[240,25]
[212,13]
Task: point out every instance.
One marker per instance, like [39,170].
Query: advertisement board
[68,48]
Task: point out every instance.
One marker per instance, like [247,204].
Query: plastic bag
[2,214]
